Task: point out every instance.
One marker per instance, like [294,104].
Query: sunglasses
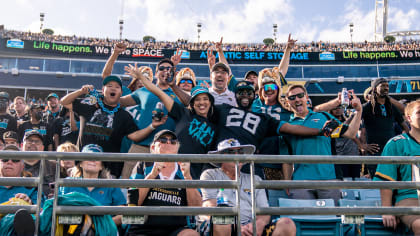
[233,151]
[293,97]
[7,160]
[185,81]
[165,140]
[270,87]
[245,93]
[162,68]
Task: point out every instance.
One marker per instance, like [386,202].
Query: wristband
[151,126]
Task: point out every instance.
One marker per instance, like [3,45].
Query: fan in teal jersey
[407,144]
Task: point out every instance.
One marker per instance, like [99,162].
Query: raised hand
[160,122]
[355,101]
[157,168]
[290,42]
[219,45]
[211,58]
[120,47]
[176,59]
[133,71]
[86,88]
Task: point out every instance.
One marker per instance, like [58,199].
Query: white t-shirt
[227,97]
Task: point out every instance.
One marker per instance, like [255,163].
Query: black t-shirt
[41,128]
[379,128]
[7,123]
[62,128]
[23,118]
[195,133]
[163,197]
[246,126]
[104,129]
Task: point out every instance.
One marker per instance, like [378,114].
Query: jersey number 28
[238,118]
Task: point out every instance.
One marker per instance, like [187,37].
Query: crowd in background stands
[319,46]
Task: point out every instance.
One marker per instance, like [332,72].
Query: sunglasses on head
[165,140]
[245,92]
[7,160]
[293,97]
[185,81]
[270,86]
[233,151]
[161,68]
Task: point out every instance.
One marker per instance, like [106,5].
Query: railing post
[238,198]
[39,196]
[55,202]
[254,216]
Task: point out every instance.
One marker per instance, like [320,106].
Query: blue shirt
[314,145]
[7,193]
[105,196]
[147,101]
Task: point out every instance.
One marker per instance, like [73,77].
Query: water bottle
[345,99]
[221,199]
[158,112]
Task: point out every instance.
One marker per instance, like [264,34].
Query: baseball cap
[10,135]
[92,148]
[244,85]
[195,91]
[112,78]
[250,72]
[233,144]
[54,95]
[220,65]
[31,133]
[11,147]
[4,95]
[378,81]
[163,132]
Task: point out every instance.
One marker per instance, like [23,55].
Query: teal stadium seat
[313,225]
[373,225]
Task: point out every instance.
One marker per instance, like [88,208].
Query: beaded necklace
[101,104]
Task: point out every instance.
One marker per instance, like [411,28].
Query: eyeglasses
[162,68]
[270,86]
[7,160]
[245,93]
[165,140]
[34,141]
[293,97]
[233,151]
[185,81]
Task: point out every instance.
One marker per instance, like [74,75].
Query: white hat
[233,144]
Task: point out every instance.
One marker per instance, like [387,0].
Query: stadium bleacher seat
[370,194]
[310,225]
[373,225]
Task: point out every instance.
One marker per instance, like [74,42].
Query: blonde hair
[410,107]
[67,147]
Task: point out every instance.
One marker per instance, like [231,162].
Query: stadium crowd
[319,46]
[174,115]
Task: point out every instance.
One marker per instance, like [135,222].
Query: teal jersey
[313,145]
[146,102]
[125,90]
[276,111]
[105,196]
[400,145]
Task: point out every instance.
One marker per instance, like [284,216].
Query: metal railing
[234,184]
